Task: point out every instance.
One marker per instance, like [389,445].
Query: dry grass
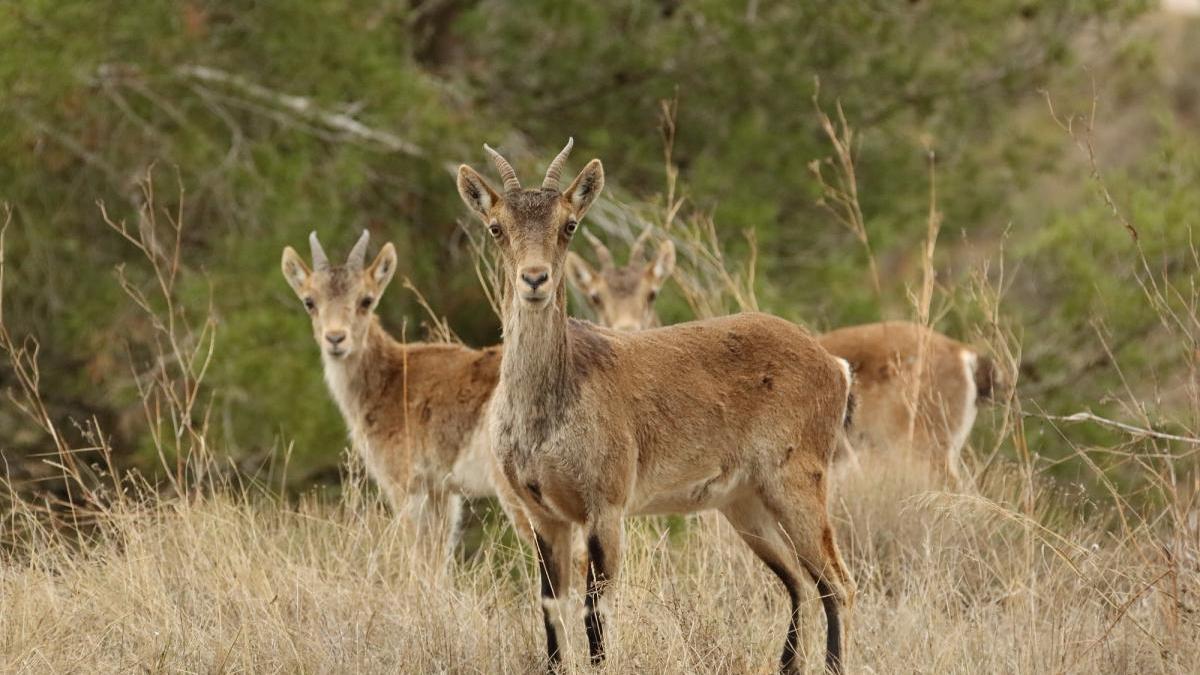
[239,581]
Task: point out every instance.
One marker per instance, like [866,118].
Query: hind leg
[801,510]
[792,537]
[753,523]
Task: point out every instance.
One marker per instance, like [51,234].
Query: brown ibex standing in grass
[415,411]
[740,414]
[941,406]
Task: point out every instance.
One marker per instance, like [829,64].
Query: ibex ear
[383,268]
[295,271]
[586,187]
[664,263]
[475,191]
[579,271]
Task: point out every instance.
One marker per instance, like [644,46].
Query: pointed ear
[295,271]
[664,263]
[475,191]
[383,268]
[579,272]
[586,187]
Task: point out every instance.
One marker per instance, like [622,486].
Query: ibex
[739,414]
[914,388]
[941,407]
[623,297]
[414,410]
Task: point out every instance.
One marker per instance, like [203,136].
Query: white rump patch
[969,362]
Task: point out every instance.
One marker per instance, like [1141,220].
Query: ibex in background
[740,414]
[884,356]
[623,297]
[414,410]
[929,412]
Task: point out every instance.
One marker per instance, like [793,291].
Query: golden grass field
[1011,579]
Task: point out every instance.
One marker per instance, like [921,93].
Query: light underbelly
[708,492]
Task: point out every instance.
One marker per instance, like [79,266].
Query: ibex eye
[570,227]
[652,296]
[595,298]
[309,304]
[494,228]
[365,303]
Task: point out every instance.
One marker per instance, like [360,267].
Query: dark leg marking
[597,577]
[833,633]
[787,661]
[546,564]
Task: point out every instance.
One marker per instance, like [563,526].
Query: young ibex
[414,410]
[954,377]
[623,297]
[739,414]
[929,412]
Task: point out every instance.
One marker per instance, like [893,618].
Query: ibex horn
[556,167]
[320,262]
[639,245]
[602,252]
[506,171]
[358,254]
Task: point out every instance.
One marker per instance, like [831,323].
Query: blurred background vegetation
[281,118]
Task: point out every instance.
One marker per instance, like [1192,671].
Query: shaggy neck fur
[536,372]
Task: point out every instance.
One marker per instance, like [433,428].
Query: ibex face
[623,297]
[532,227]
[341,299]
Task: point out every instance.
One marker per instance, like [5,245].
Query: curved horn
[556,167]
[506,171]
[358,254]
[637,251]
[320,261]
[602,252]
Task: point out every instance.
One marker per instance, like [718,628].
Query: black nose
[535,278]
[336,337]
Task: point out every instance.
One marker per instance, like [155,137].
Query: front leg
[605,548]
[552,544]
[435,515]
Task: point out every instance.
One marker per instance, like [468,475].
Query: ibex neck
[536,369]
[349,377]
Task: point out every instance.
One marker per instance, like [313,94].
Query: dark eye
[494,228]
[652,296]
[570,227]
[309,304]
[365,303]
[595,298]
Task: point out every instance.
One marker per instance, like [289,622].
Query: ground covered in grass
[1005,579]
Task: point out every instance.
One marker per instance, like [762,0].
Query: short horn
[638,250]
[320,261]
[358,254]
[602,252]
[506,171]
[556,167]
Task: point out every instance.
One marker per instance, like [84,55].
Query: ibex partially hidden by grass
[414,410]
[739,414]
[915,390]
[623,297]
[940,403]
